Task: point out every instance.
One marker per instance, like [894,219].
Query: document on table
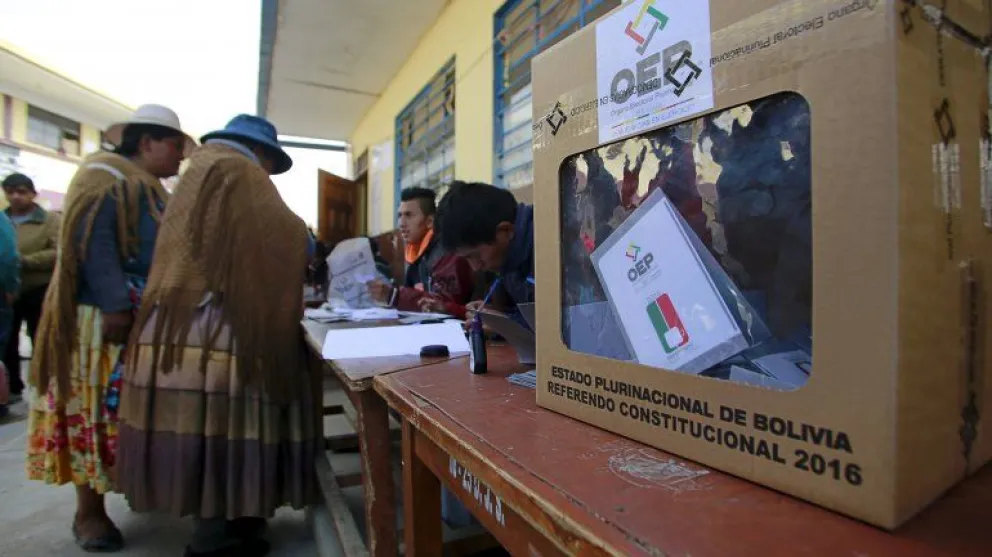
[666,301]
[374,314]
[403,340]
[350,266]
[326,314]
[323,315]
[412,317]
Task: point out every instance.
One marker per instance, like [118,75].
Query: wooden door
[337,218]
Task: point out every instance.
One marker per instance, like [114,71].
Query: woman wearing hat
[111,220]
[219,418]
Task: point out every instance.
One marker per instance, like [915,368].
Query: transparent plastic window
[689,248]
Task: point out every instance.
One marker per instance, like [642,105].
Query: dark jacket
[439,273]
[103,274]
[517,274]
[37,240]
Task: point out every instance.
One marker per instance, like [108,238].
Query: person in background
[436,279]
[486,227]
[10,279]
[37,241]
[111,221]
[219,416]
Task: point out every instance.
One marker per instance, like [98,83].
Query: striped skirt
[207,445]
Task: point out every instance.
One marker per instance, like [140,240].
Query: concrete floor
[35,518]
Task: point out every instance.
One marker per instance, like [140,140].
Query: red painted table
[545,484]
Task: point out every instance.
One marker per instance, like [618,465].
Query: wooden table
[544,484]
[372,425]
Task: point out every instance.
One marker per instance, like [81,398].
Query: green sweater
[37,241]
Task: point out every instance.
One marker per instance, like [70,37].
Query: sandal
[108,543]
[246,548]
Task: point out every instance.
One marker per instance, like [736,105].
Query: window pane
[425,132]
[55,132]
[530,26]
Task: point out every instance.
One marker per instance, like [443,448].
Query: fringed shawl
[227,232]
[100,175]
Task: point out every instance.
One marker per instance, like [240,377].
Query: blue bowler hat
[259,130]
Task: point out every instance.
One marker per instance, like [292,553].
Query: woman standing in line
[220,417]
[112,212]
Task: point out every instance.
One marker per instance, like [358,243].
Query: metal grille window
[523,29]
[53,131]
[425,136]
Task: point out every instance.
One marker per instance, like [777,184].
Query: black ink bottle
[477,348]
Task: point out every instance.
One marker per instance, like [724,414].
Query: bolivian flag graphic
[668,324]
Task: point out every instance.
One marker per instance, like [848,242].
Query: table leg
[377,473]
[421,501]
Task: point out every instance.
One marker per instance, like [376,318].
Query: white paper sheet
[664,297]
[351,266]
[403,340]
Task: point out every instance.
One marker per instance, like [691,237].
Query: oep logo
[678,69]
[641,265]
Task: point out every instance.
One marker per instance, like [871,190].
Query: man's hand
[380,291]
[471,309]
[431,304]
[117,326]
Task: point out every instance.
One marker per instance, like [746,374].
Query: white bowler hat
[154,114]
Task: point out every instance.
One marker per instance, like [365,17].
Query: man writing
[436,280]
[488,228]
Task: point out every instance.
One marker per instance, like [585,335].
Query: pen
[489,295]
[531,280]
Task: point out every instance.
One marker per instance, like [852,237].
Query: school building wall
[50,169]
[463,31]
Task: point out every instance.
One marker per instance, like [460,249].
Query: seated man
[488,228]
[436,280]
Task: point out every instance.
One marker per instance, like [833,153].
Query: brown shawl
[228,232]
[125,182]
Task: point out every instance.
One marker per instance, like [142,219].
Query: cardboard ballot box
[764,236]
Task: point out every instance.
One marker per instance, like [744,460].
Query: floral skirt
[76,442]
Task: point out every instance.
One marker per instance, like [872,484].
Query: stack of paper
[526,379]
[372,314]
[327,314]
[412,317]
[324,315]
